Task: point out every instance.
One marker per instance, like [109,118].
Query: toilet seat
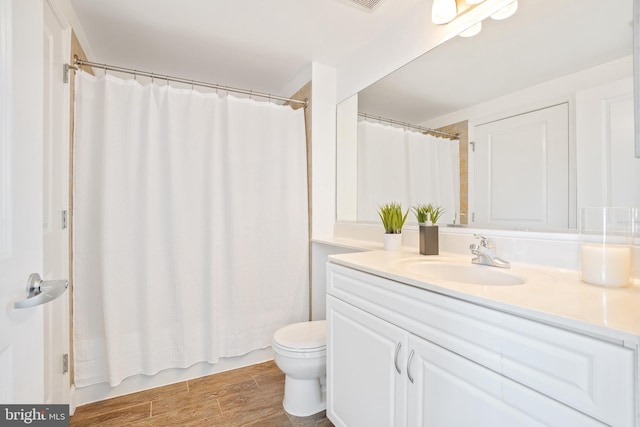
[301,354]
[303,337]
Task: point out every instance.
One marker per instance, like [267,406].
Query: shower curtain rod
[79,62]
[408,125]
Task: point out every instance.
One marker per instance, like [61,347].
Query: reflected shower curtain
[381,168]
[397,164]
[190,227]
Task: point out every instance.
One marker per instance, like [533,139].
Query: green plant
[436,213]
[423,213]
[428,213]
[392,217]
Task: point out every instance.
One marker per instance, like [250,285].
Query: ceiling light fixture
[443,11]
[506,11]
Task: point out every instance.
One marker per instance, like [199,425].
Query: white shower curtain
[397,164]
[190,227]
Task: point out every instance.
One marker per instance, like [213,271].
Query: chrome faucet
[485,255]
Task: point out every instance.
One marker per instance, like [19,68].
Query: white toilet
[300,352]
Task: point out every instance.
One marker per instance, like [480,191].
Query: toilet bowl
[300,353]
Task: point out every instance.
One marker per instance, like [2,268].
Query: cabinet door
[366,378]
[449,390]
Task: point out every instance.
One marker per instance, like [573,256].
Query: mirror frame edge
[636,73]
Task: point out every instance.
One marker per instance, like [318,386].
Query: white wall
[323,150]
[346,158]
[319,254]
[543,95]
[69,13]
[298,81]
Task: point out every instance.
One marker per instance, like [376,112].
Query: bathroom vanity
[437,341]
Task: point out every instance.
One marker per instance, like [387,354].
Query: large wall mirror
[542,109]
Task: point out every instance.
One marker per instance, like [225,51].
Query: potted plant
[393,220]
[427,216]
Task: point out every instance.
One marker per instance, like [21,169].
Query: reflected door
[605,146]
[520,175]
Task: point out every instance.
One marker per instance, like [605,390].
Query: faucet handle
[483,240]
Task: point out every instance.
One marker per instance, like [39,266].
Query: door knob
[41,291]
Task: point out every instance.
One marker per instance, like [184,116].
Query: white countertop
[549,295]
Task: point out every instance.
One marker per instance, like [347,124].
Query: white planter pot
[392,242]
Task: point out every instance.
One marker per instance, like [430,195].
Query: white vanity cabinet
[398,355]
[366,368]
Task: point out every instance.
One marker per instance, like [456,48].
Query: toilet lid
[304,335]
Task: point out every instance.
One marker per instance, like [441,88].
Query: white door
[56,49]
[521,171]
[33,171]
[21,104]
[366,377]
[607,169]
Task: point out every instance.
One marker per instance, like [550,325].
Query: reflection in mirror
[542,103]
[403,163]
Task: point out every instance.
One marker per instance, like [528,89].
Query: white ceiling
[260,45]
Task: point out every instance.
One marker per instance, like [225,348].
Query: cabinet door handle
[409,366]
[395,360]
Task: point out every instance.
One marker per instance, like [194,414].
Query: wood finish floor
[250,396]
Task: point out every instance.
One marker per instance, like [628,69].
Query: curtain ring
[167,78]
[152,81]
[192,85]
[251,94]
[135,75]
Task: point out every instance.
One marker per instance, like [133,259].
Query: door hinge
[65,219]
[65,363]
[65,73]
[473,217]
[473,146]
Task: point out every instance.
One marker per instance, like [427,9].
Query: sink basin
[473,274]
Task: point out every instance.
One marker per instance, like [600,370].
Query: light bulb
[473,30]
[443,11]
[506,11]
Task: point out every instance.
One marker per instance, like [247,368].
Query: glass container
[605,245]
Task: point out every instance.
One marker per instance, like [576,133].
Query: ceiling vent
[367,4]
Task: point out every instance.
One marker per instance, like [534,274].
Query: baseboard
[72,400]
